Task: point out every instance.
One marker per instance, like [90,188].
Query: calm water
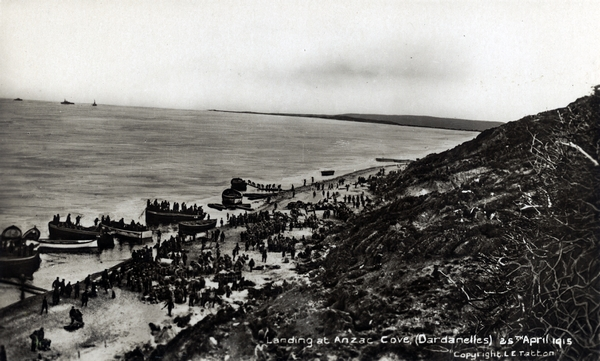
[103,160]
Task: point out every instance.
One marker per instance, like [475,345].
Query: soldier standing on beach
[169,305]
[44,305]
[84,299]
[76,288]
[264,255]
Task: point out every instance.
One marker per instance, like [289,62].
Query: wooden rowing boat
[154,217]
[255,196]
[244,206]
[49,246]
[17,266]
[126,233]
[62,231]
[194,227]
[239,184]
[217,206]
[231,197]
[21,261]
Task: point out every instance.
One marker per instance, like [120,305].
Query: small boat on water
[217,206]
[126,232]
[94,103]
[65,102]
[194,227]
[327,172]
[18,100]
[239,184]
[63,231]
[17,258]
[231,197]
[47,246]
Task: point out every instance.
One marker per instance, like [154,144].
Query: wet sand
[115,326]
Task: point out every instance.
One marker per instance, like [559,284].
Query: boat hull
[128,235]
[73,246]
[239,184]
[17,266]
[216,206]
[157,217]
[59,232]
[231,197]
[192,228]
[327,172]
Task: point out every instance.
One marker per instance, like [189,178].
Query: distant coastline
[404,120]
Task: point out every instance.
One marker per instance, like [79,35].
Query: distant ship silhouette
[65,102]
[18,100]
[94,103]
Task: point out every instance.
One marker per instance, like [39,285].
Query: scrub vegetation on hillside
[496,237]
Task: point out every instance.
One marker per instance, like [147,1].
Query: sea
[109,160]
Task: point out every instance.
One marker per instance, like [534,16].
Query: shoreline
[419,121]
[22,318]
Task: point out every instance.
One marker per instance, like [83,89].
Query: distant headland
[406,120]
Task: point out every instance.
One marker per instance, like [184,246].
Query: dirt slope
[490,247]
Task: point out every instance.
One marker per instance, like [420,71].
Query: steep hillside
[496,236]
[486,251]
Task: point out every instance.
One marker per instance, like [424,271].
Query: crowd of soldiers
[90,288]
[165,206]
[247,218]
[170,279]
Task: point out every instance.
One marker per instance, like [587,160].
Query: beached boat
[254,196]
[155,217]
[217,206]
[106,241]
[47,246]
[32,234]
[65,102]
[244,206]
[239,184]
[327,172]
[231,197]
[20,259]
[62,231]
[194,227]
[126,233]
[14,266]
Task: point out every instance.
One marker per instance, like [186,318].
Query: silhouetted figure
[44,305]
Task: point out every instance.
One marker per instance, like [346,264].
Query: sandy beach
[116,326]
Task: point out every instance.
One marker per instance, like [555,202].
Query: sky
[485,60]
